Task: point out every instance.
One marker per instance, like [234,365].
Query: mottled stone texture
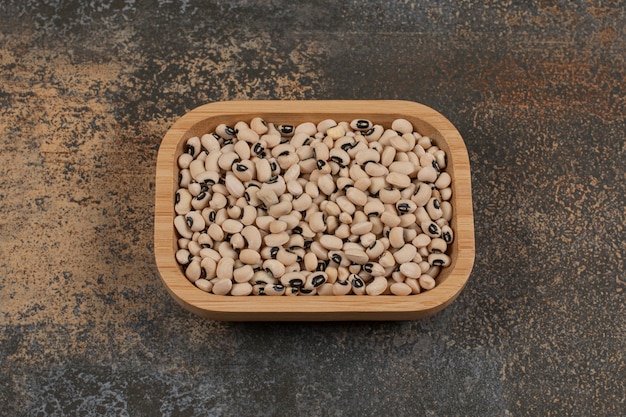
[87,90]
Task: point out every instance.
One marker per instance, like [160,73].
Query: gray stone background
[87,91]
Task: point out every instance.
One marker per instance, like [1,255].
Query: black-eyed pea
[396,237]
[342,231]
[424,142]
[342,287]
[374,268]
[274,289]
[431,228]
[410,270]
[433,207]
[280,209]
[414,285]
[184,160]
[407,220]
[243,273]
[374,207]
[400,288]
[389,219]
[389,195]
[427,174]
[437,245]
[377,225]
[377,286]
[408,192]
[315,279]
[218,201]
[209,266]
[375,250]
[335,132]
[367,239]
[183,256]
[182,202]
[286,257]
[195,188]
[183,243]
[387,156]
[376,170]
[295,243]
[276,239]
[357,284]
[426,282]
[387,260]
[405,254]
[226,250]
[326,184]
[249,256]
[232,226]
[361,124]
[204,284]
[302,203]
[445,193]
[439,259]
[401,144]
[356,172]
[325,289]
[293,279]
[422,215]
[210,142]
[259,126]
[277,226]
[446,210]
[195,221]
[357,256]
[402,126]
[433,271]
[286,130]
[225,268]
[184,178]
[447,234]
[222,286]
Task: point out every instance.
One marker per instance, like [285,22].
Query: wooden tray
[205,118]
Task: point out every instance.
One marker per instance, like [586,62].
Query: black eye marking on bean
[357,282]
[373,244]
[285,129]
[338,160]
[212,215]
[436,204]
[403,208]
[438,262]
[190,149]
[189,221]
[297,230]
[228,142]
[305,291]
[230,131]
[433,228]
[273,166]
[368,267]
[241,168]
[201,196]
[279,287]
[447,237]
[318,280]
[246,196]
[436,166]
[369,132]
[321,266]
[274,252]
[273,180]
[177,198]
[320,164]
[307,244]
[362,124]
[296,282]
[336,258]
[285,153]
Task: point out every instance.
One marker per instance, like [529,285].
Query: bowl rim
[316,308]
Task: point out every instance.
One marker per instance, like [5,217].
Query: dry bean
[400,288]
[427,282]
[222,286]
[410,270]
[439,259]
[405,254]
[377,286]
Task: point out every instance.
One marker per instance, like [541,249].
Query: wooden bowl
[205,118]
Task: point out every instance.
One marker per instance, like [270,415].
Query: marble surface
[88,89]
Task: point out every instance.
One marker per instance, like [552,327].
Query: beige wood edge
[316,308]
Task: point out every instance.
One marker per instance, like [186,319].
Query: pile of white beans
[328,209]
